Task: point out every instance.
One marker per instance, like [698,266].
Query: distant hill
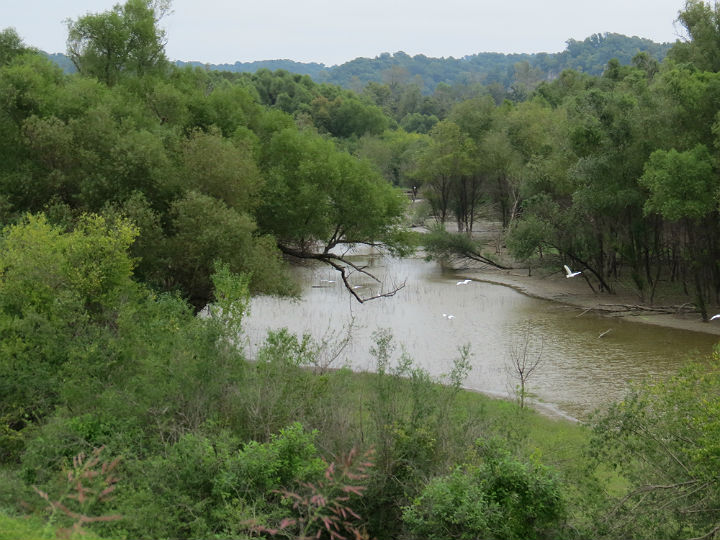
[590,56]
[313,69]
[63,61]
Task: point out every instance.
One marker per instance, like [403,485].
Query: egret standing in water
[569,273]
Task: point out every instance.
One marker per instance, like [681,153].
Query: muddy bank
[576,293]
[549,284]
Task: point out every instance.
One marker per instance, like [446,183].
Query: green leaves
[205,230]
[124,40]
[90,264]
[315,192]
[665,437]
[681,184]
[500,498]
[57,291]
[215,166]
[702,24]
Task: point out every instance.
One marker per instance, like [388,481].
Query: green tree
[125,40]
[317,198]
[450,174]
[701,21]
[395,154]
[681,184]
[348,116]
[204,230]
[683,188]
[476,117]
[213,165]
[503,166]
[28,85]
[11,45]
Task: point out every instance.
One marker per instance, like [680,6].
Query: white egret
[715,317]
[464,282]
[569,273]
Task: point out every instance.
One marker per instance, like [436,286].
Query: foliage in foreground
[210,443]
[664,438]
[498,497]
[213,443]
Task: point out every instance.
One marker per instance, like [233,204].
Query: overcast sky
[336,31]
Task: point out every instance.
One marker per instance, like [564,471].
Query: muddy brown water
[579,370]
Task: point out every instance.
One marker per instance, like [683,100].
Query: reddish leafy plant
[89,482]
[322,509]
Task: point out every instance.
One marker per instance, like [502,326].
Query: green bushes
[501,497]
[59,295]
[209,484]
[207,441]
[664,440]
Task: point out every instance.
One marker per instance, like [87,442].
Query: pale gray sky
[336,31]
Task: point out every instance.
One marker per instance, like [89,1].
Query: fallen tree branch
[341,264]
[638,308]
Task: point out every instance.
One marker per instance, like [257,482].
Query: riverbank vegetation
[142,204]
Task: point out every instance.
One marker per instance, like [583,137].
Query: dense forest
[143,203]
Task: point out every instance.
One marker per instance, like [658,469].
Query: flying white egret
[451,317]
[464,282]
[569,273]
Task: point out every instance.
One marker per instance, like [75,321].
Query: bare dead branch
[634,309]
[341,264]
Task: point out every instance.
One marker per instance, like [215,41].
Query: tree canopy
[125,40]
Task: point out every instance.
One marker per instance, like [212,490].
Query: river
[579,370]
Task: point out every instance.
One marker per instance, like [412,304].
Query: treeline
[199,161]
[589,56]
[617,173]
[614,173]
[143,203]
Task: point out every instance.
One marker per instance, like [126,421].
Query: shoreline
[576,293]
[545,284]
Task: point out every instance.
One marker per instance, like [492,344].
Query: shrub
[499,498]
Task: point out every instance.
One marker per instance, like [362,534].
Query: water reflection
[580,371]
